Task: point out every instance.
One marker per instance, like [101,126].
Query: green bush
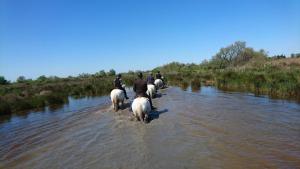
[4,107]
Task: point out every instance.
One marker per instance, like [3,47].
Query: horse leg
[117,106]
[146,118]
[142,117]
[114,105]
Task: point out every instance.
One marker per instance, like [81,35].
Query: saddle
[141,95]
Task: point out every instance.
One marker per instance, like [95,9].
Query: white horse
[158,83]
[117,96]
[141,108]
[151,90]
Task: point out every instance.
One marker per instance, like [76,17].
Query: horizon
[63,38]
[121,72]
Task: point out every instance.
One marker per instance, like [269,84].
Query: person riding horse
[159,76]
[150,79]
[140,88]
[118,84]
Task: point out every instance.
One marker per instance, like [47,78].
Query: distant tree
[3,81]
[101,73]
[111,72]
[131,72]
[84,75]
[42,78]
[204,62]
[21,79]
[227,55]
[295,55]
[279,56]
[53,78]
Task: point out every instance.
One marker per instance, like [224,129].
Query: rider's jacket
[118,83]
[150,79]
[158,76]
[140,87]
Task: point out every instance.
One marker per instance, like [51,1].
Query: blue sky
[68,37]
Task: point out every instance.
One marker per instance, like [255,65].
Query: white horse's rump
[158,83]
[151,90]
[141,108]
[117,96]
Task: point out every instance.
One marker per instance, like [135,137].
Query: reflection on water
[192,128]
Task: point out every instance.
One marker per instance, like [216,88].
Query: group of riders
[139,86]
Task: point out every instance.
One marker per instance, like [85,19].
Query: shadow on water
[159,95]
[195,88]
[56,107]
[155,114]
[125,106]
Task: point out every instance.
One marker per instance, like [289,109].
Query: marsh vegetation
[235,67]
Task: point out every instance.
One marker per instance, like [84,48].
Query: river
[206,128]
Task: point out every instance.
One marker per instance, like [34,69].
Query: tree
[53,78]
[227,55]
[101,73]
[84,75]
[111,72]
[42,78]
[131,72]
[21,79]
[3,81]
[295,55]
[279,56]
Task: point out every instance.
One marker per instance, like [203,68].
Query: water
[200,129]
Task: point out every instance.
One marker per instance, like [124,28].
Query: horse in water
[158,83]
[117,96]
[151,91]
[141,108]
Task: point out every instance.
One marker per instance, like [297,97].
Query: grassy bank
[276,83]
[235,67]
[240,68]
[30,94]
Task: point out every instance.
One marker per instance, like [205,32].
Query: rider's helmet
[140,75]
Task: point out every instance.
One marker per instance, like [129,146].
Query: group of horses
[140,105]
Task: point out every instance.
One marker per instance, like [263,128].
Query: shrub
[4,107]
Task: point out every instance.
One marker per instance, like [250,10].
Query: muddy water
[201,129]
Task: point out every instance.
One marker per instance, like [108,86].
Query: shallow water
[201,129]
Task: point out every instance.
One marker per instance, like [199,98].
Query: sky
[69,37]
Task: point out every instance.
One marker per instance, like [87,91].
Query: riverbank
[29,95]
[278,78]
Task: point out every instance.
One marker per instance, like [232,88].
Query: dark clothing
[140,88]
[118,85]
[158,76]
[150,79]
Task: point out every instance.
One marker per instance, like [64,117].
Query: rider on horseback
[159,76]
[118,84]
[150,79]
[140,88]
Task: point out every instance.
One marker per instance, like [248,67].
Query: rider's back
[140,87]
[117,83]
[158,76]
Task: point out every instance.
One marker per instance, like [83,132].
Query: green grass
[248,70]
